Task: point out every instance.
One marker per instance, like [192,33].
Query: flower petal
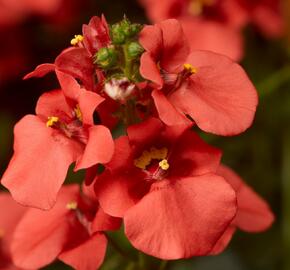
[254,214]
[39,166]
[53,103]
[175,46]
[40,71]
[219,97]
[77,63]
[149,69]
[185,219]
[99,149]
[213,36]
[118,192]
[42,235]
[87,256]
[166,111]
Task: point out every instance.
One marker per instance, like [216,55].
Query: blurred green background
[261,155]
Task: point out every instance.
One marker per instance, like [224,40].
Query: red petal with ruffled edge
[99,148]
[40,162]
[219,97]
[186,217]
[254,214]
[42,235]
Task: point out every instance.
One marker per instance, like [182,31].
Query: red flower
[253,215]
[162,181]
[213,90]
[216,25]
[71,232]
[77,61]
[45,145]
[11,213]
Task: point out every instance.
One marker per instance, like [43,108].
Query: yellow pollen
[72,206]
[164,165]
[190,68]
[76,40]
[51,121]
[147,156]
[78,113]
[2,233]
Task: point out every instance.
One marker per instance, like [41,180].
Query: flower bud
[106,57]
[119,89]
[134,49]
[118,36]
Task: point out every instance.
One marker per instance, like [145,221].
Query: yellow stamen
[190,68]
[51,121]
[2,233]
[145,159]
[78,113]
[164,165]
[72,206]
[76,40]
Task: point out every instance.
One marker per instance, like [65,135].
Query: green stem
[273,82]
[128,62]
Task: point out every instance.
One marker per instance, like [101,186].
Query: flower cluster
[217,24]
[159,178]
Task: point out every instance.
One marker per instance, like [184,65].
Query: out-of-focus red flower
[253,215]
[46,144]
[11,213]
[13,11]
[161,180]
[213,90]
[216,25]
[72,232]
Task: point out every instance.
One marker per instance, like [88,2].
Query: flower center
[196,7]
[76,40]
[147,157]
[71,126]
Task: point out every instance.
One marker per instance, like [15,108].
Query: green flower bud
[135,29]
[134,49]
[117,34]
[106,57]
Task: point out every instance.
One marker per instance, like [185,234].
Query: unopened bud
[106,57]
[134,49]
[119,89]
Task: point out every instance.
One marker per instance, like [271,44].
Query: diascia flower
[77,60]
[216,25]
[161,181]
[72,232]
[253,215]
[46,144]
[210,88]
[10,214]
